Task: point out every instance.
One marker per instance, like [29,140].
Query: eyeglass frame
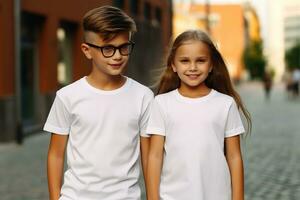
[115,48]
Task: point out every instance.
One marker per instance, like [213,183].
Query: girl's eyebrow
[187,57]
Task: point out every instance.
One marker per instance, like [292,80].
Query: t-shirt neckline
[107,92]
[193,100]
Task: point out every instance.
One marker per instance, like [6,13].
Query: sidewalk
[23,169]
[271,153]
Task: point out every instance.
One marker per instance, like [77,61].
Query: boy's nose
[117,54]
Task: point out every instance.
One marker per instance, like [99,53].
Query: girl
[195,126]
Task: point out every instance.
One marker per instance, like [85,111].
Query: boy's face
[109,58]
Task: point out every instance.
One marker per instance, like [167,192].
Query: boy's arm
[55,164]
[155,160]
[235,163]
[145,145]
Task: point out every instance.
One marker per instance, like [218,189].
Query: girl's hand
[235,163]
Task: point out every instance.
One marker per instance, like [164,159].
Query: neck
[105,82]
[194,92]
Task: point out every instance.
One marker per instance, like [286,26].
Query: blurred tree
[254,60]
[292,57]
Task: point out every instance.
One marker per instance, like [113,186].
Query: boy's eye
[125,48]
[108,48]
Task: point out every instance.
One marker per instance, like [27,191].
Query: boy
[99,118]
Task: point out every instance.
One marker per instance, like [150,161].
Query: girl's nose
[193,66]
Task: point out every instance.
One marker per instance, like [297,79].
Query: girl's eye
[201,60]
[183,61]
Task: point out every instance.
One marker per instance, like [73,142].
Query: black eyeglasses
[110,50]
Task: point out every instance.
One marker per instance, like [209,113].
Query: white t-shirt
[103,146]
[296,75]
[194,165]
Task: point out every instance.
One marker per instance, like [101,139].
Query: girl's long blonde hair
[218,79]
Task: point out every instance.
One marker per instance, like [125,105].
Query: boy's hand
[55,164]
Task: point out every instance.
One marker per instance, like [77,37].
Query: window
[134,7]
[158,15]
[31,25]
[65,38]
[147,11]
[119,3]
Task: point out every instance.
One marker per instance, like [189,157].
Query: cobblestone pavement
[23,169]
[271,153]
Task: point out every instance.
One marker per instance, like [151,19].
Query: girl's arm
[145,145]
[55,164]
[154,166]
[235,163]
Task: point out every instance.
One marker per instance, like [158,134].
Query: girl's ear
[211,68]
[86,51]
[174,68]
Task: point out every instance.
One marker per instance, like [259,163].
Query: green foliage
[254,60]
[292,57]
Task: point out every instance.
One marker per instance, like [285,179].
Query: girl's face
[192,62]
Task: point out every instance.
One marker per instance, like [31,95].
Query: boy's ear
[86,50]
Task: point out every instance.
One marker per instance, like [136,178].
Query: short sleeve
[145,113]
[157,120]
[58,120]
[234,125]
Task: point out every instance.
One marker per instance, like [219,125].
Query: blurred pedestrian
[296,81]
[268,82]
[288,80]
[100,118]
[195,126]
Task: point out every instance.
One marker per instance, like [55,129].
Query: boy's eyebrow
[107,44]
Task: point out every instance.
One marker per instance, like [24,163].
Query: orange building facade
[41,53]
[227,29]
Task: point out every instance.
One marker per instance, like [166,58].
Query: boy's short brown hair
[108,21]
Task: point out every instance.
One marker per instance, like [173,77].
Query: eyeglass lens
[124,50]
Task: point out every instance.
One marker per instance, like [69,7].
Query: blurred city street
[271,153]
[42,52]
